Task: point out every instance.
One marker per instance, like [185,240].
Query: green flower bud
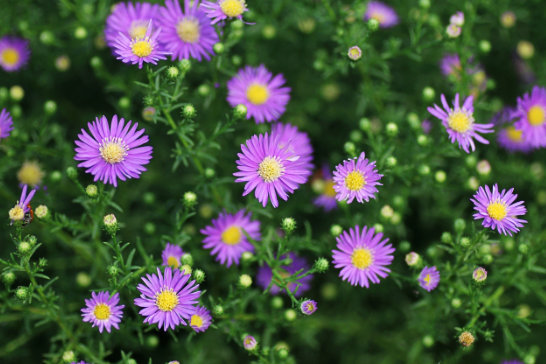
[424,169]
[487,259]
[378,228]
[413,120]
[152,341]
[422,140]
[428,341]
[290,315]
[365,124]
[8,278]
[446,237]
[50,107]
[240,111]
[392,129]
[269,32]
[110,223]
[199,275]
[80,33]
[465,241]
[485,46]
[47,37]
[71,172]
[173,72]
[217,310]
[428,93]
[391,161]
[124,102]
[387,212]
[321,265]
[203,90]
[69,356]
[189,111]
[350,148]
[22,293]
[83,279]
[187,259]
[17,93]
[113,270]
[149,228]
[356,136]
[471,161]
[186,269]
[92,191]
[55,176]
[405,246]
[459,225]
[276,302]
[425,4]
[185,65]
[209,172]
[523,248]
[247,257]
[373,24]
[24,247]
[288,224]
[335,230]
[245,281]
[218,48]
[440,176]
[190,199]
[456,303]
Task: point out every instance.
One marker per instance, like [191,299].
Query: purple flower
[79,362]
[429,278]
[200,319]
[295,141]
[384,14]
[141,49]
[227,236]
[479,274]
[249,342]
[459,123]
[363,256]
[20,211]
[14,53]
[356,178]
[508,136]
[498,210]
[270,169]
[530,117]
[265,279]
[224,9]
[103,311]
[263,94]
[426,125]
[167,299]
[451,65]
[327,199]
[308,307]
[457,19]
[6,124]
[129,19]
[113,151]
[171,255]
[187,33]
[514,361]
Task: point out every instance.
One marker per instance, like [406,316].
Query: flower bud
[186,269]
[428,93]
[83,279]
[249,343]
[276,302]
[422,140]
[290,315]
[387,212]
[218,310]
[190,199]
[24,247]
[288,224]
[321,265]
[41,212]
[50,107]
[405,246]
[8,278]
[247,257]
[391,161]
[71,172]
[446,237]
[187,259]
[373,24]
[69,356]
[365,124]
[485,46]
[113,270]
[508,19]
[350,148]
[336,230]
[189,111]
[218,48]
[459,225]
[525,49]
[466,339]
[245,281]
[479,274]
[465,242]
[440,176]
[173,72]
[456,302]
[453,31]
[22,293]
[80,32]
[428,341]
[209,172]
[412,259]
[203,90]
[110,223]
[354,53]
[185,65]
[378,228]
[198,275]
[16,92]
[392,129]
[240,111]
[92,191]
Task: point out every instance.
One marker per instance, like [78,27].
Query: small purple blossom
[6,124]
[130,19]
[429,278]
[103,311]
[167,299]
[22,207]
[459,123]
[264,95]
[508,137]
[384,14]
[249,343]
[457,19]
[451,65]
[113,151]
[14,53]
[498,209]
[327,199]
[363,256]
[200,319]
[308,307]
[265,278]
[530,116]
[226,236]
[140,50]
[479,274]
[453,30]
[171,255]
[356,178]
[224,9]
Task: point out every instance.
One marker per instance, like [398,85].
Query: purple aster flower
[227,236]
[308,307]
[250,343]
[426,125]
[263,94]
[264,277]
[363,256]
[384,14]
[14,53]
[457,19]
[498,210]
[167,299]
[113,151]
[224,9]
[270,169]
[514,361]
[103,311]
[479,274]
[459,123]
[140,50]
[327,199]
[530,117]
[200,319]
[171,255]
[129,19]
[508,136]
[186,34]
[356,178]
[21,210]
[429,278]
[6,124]
[451,65]
[297,142]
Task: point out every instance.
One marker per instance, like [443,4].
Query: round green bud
[186,269]
[110,221]
[321,265]
[152,341]
[240,111]
[47,37]
[247,257]
[350,148]
[149,198]
[387,212]
[269,32]
[62,63]
[190,199]
[529,359]
[405,246]
[71,172]
[83,279]
[446,237]
[422,140]
[149,228]
[440,176]
[185,65]
[485,46]
[428,341]
[24,247]
[4,93]
[8,278]
[392,129]
[80,33]
[209,172]
[203,90]
[16,93]
[50,107]
[471,161]
[425,4]
[22,293]
[187,259]
[424,169]
[69,356]
[237,24]
[124,102]
[276,302]
[373,24]
[16,111]
[428,93]
[378,228]
[113,270]
[413,120]
[219,48]
[432,251]
[173,72]
[396,218]
[236,60]
[290,315]
[335,230]
[456,303]
[523,248]
[245,281]
[465,241]
[198,275]
[487,259]
[217,310]
[391,161]
[459,225]
[398,201]
[288,224]
[55,176]
[356,136]
[92,191]
[365,124]
[189,111]
[282,353]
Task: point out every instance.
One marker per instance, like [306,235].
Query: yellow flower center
[10,56]
[459,121]
[355,181]
[17,213]
[497,210]
[513,134]
[232,235]
[257,94]
[379,17]
[188,30]
[173,261]
[232,8]
[196,321]
[113,151]
[142,48]
[166,300]
[270,169]
[102,311]
[138,29]
[362,258]
[309,306]
[536,115]
[354,52]
[30,174]
[427,280]
[329,189]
